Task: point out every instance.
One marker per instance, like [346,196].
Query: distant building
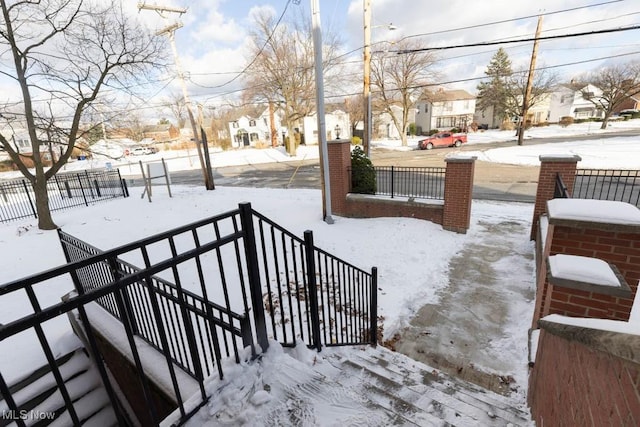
[567,101]
[161,133]
[251,129]
[444,110]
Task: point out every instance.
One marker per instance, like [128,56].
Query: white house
[567,100]
[384,126]
[249,131]
[445,109]
[337,126]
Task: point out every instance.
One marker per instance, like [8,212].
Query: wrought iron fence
[311,295]
[65,190]
[241,259]
[608,184]
[417,182]
[560,190]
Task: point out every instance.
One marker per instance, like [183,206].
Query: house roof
[447,95]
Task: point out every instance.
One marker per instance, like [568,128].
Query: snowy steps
[416,394]
[37,393]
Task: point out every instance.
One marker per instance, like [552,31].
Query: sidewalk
[478,329]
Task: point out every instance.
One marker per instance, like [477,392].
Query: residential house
[253,129]
[337,125]
[161,133]
[445,109]
[631,103]
[567,101]
[384,127]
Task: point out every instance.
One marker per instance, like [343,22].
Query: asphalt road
[492,181]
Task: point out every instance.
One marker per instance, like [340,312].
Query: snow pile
[582,269]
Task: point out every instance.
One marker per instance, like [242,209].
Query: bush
[565,121]
[541,124]
[356,140]
[363,175]
[635,115]
[456,130]
[433,132]
[507,125]
[412,129]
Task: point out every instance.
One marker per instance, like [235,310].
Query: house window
[252,123]
[253,136]
[235,124]
[448,106]
[23,143]
[426,108]
[237,138]
[265,121]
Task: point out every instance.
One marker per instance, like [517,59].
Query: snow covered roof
[595,211]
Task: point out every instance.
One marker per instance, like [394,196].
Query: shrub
[565,121]
[363,175]
[635,115]
[474,126]
[356,140]
[507,125]
[541,124]
[433,132]
[456,130]
[412,129]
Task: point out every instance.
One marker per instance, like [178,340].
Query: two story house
[567,100]
[250,129]
[445,109]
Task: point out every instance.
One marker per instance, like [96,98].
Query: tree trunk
[45,221]
[605,121]
[290,141]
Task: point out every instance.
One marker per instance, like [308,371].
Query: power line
[589,33]
[511,19]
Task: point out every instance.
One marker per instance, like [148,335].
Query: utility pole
[170,32]
[322,131]
[527,93]
[366,92]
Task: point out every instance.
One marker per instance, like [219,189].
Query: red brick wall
[454,215]
[574,385]
[376,208]
[549,167]
[621,249]
[339,160]
[458,190]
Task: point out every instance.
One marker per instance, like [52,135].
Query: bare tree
[63,53]
[176,105]
[354,106]
[618,83]
[543,84]
[282,70]
[399,80]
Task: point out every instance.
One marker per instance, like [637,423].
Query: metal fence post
[373,309]
[26,190]
[392,178]
[253,272]
[84,196]
[313,289]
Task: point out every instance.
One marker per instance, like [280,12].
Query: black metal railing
[607,184]
[416,182]
[65,190]
[560,190]
[311,295]
[240,259]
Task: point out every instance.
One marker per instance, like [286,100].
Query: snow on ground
[412,255]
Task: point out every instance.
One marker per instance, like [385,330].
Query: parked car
[443,139]
[139,151]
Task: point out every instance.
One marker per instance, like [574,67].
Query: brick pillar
[549,167]
[458,189]
[339,152]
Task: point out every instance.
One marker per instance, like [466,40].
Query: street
[493,181]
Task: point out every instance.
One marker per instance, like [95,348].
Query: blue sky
[213,40]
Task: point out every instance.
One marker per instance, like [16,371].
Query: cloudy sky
[213,40]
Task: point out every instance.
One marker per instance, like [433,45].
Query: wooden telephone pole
[527,94]
[170,32]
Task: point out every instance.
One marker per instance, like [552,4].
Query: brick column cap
[560,158]
[460,159]
[339,141]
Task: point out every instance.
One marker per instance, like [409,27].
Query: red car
[442,139]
